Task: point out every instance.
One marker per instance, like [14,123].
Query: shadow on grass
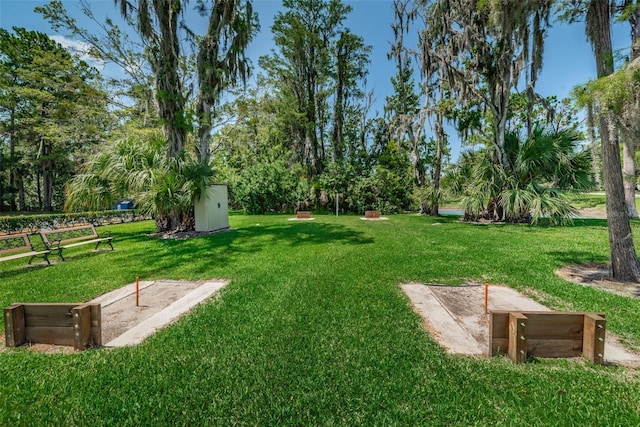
[20,270]
[213,252]
[589,222]
[578,257]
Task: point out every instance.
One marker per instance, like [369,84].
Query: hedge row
[28,223]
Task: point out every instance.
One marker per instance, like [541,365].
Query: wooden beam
[594,337]
[49,314]
[56,335]
[557,347]
[549,334]
[78,325]
[96,324]
[81,326]
[14,327]
[518,337]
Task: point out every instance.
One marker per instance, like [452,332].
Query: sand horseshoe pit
[160,303]
[455,316]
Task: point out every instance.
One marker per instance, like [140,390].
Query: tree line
[304,134]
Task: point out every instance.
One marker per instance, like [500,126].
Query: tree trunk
[629,176]
[12,162]
[46,165]
[596,165]
[166,66]
[22,203]
[204,130]
[338,112]
[499,129]
[39,190]
[624,262]
[47,184]
[12,189]
[628,148]
[437,167]
[175,221]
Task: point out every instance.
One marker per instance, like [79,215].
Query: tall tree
[219,64]
[351,58]
[219,55]
[623,259]
[51,111]
[482,48]
[221,60]
[157,25]
[407,119]
[304,35]
[624,263]
[630,11]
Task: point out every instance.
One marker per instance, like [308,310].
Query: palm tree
[544,165]
[162,186]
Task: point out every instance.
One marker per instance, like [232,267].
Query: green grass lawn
[314,330]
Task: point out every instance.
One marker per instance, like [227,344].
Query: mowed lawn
[314,330]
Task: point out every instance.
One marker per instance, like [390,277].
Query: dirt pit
[455,316]
[597,276]
[160,303]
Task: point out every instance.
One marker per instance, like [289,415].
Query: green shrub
[22,223]
[268,187]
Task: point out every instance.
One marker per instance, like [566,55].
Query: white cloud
[79,48]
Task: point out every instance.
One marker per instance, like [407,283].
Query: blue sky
[568,57]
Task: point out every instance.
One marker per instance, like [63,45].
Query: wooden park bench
[18,245]
[64,238]
[303,214]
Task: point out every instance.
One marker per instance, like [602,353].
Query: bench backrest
[69,234]
[19,242]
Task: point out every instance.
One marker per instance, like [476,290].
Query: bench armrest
[56,242]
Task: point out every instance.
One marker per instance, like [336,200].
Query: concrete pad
[160,303]
[442,323]
[159,320]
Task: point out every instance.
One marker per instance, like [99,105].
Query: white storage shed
[212,209]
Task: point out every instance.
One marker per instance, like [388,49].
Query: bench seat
[73,245]
[24,254]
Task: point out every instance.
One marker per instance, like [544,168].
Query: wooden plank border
[547,334]
[14,327]
[77,325]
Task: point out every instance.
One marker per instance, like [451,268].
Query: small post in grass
[137,291]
